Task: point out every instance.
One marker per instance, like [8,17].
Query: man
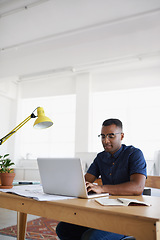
[123,172]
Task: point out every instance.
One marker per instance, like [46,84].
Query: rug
[40,228]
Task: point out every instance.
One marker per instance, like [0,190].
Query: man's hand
[93,187]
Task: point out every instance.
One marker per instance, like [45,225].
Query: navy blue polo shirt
[118,168]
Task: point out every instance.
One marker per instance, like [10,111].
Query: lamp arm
[2,140]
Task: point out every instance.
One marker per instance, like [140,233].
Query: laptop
[64,176]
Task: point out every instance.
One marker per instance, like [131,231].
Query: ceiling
[44,35]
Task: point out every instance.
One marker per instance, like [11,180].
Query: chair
[153,182]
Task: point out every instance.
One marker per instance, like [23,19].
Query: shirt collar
[116,154]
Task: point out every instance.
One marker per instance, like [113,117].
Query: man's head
[112,135]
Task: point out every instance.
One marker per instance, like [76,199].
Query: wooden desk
[139,221]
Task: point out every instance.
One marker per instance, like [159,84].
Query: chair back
[151,181]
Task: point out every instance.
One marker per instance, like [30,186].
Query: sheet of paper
[35,192]
[108,202]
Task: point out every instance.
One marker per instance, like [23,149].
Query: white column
[83,88]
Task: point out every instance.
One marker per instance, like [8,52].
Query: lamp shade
[42,121]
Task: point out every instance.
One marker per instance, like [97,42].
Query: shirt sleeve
[137,163]
[94,167]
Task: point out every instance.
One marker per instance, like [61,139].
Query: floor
[9,218]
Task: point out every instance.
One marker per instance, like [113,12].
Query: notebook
[64,176]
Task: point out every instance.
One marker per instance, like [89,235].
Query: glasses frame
[108,135]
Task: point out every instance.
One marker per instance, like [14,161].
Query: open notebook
[121,202]
[64,176]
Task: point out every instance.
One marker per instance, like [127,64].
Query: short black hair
[114,121]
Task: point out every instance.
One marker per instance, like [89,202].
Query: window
[138,109]
[56,141]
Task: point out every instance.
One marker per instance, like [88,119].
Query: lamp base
[6,187]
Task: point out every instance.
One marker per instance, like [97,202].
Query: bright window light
[56,141]
[138,109]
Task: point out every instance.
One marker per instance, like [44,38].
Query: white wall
[121,79]
[8,106]
[81,84]
[48,86]
[103,52]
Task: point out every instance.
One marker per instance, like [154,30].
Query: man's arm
[90,178]
[134,187]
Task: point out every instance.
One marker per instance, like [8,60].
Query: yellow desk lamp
[41,122]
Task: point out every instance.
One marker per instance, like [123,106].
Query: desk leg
[21,225]
[158,231]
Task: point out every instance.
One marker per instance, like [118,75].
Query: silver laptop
[64,176]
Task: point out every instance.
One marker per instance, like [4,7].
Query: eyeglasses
[108,136]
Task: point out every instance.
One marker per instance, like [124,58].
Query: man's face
[111,145]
